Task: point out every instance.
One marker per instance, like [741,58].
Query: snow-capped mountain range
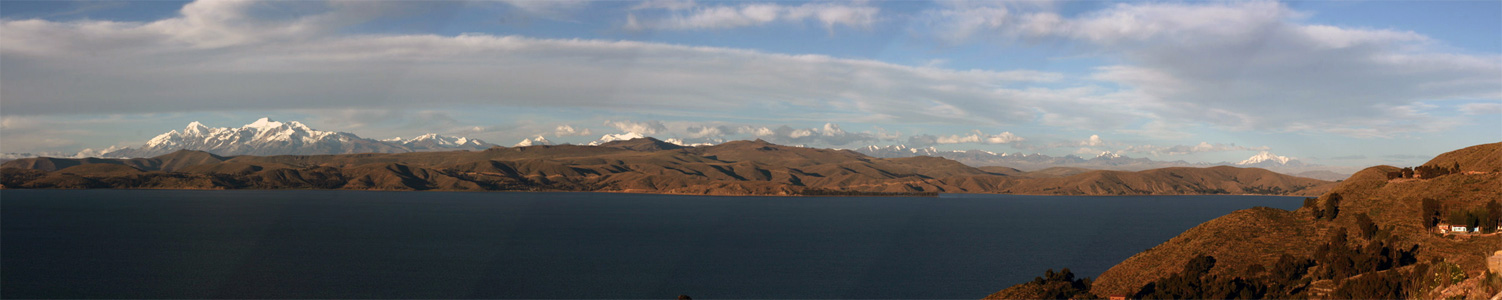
[537,141]
[268,137]
[1267,159]
[433,141]
[616,137]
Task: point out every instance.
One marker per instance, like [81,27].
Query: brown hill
[642,144]
[1322,175]
[999,170]
[1247,240]
[640,165]
[1056,172]
[1479,158]
[166,162]
[1169,181]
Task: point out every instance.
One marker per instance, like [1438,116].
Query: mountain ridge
[642,165]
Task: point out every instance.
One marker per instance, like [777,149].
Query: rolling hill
[642,165]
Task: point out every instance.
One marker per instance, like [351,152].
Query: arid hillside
[638,166]
[1369,237]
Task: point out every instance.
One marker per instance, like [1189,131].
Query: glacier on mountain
[616,137]
[269,137]
[537,141]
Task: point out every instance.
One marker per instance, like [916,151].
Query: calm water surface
[356,244]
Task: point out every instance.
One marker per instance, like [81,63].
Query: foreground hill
[642,165]
[1369,237]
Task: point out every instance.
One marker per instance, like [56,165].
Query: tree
[1458,218]
[1200,265]
[1332,206]
[1368,228]
[1430,212]
[1493,216]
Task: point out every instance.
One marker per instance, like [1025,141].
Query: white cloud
[959,21]
[568,130]
[975,137]
[1247,65]
[709,131]
[641,128]
[665,4]
[105,62]
[688,16]
[1093,141]
[1239,65]
[553,9]
[1189,149]
[1481,108]
[830,134]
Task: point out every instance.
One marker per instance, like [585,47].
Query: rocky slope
[641,165]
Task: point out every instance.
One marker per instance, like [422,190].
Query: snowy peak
[196,128]
[1265,157]
[537,141]
[680,142]
[265,136]
[436,140]
[900,151]
[616,137]
[1108,155]
[259,124]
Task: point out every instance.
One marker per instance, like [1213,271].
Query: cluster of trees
[1328,209]
[1377,263]
[1196,282]
[1425,171]
[1389,284]
[1339,260]
[1062,285]
[1486,217]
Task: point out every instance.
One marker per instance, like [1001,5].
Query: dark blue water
[355,244]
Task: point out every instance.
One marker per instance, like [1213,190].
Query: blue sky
[1343,83]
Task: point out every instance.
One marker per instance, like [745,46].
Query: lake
[361,244]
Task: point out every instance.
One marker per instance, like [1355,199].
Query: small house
[1459,228]
[1443,227]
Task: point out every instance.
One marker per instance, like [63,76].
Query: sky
[1339,83]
